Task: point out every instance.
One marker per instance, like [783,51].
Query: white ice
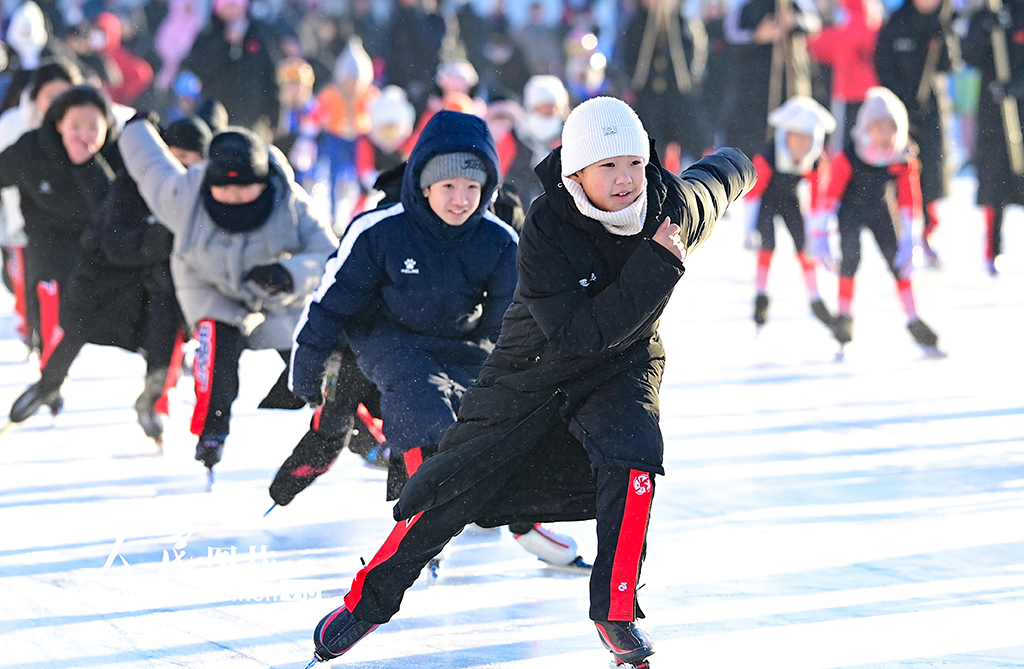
[868,513]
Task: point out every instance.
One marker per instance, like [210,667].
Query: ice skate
[760,310]
[630,645]
[337,633]
[34,398]
[926,338]
[147,416]
[209,451]
[552,548]
[312,457]
[822,313]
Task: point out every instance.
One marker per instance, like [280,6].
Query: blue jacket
[402,278]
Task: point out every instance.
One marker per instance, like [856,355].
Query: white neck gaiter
[625,222]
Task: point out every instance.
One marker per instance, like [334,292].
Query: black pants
[880,225]
[623,508]
[789,210]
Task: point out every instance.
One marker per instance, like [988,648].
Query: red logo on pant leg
[642,484]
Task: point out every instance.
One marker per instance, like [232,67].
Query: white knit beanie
[602,128]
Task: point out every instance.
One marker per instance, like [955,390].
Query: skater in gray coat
[248,253]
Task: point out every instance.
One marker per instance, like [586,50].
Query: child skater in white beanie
[562,422]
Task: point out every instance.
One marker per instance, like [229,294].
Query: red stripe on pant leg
[990,224]
[49,318]
[316,418]
[16,273]
[202,373]
[626,567]
[374,425]
[413,459]
[385,553]
[161,406]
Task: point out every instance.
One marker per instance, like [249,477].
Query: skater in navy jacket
[418,296]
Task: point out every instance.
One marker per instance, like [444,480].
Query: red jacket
[136,73]
[849,47]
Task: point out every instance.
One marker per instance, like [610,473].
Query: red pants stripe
[202,373]
[628,551]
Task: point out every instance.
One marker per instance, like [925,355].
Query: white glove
[818,240]
[906,240]
[751,237]
[303,154]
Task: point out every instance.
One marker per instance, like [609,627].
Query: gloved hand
[817,240]
[904,260]
[751,237]
[272,278]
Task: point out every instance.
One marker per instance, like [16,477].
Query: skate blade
[577,566]
[314,661]
[934,353]
[272,507]
[619,664]
[841,353]
[6,427]
[209,479]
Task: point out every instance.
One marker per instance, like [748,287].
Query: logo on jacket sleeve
[410,267]
[642,484]
[586,282]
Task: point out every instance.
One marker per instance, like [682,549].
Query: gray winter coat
[208,263]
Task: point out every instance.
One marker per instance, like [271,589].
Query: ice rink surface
[864,513]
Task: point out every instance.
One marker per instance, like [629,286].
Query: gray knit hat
[446,166]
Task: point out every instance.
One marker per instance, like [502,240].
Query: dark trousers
[880,225]
[789,210]
[623,509]
[216,376]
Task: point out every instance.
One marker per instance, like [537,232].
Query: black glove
[146,115]
[272,278]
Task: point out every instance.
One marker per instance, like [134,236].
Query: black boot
[761,309]
[210,448]
[35,397]
[923,334]
[337,633]
[842,328]
[313,456]
[821,312]
[150,421]
[627,642]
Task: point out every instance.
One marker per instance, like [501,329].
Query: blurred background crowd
[341,86]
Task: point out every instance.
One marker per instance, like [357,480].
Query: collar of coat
[659,190]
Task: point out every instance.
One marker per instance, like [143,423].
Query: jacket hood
[111,27]
[27,34]
[449,132]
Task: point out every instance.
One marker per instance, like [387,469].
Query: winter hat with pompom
[602,128]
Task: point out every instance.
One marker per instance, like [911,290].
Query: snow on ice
[816,514]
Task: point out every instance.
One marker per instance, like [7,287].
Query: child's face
[799,144]
[882,134]
[237,193]
[454,200]
[612,184]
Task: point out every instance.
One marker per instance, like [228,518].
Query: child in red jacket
[874,183]
[797,154]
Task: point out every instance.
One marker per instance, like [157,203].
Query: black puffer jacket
[122,287]
[585,314]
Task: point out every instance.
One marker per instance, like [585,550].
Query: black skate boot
[627,642]
[821,312]
[925,337]
[842,328]
[313,456]
[761,309]
[337,633]
[149,419]
[210,448]
[32,399]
